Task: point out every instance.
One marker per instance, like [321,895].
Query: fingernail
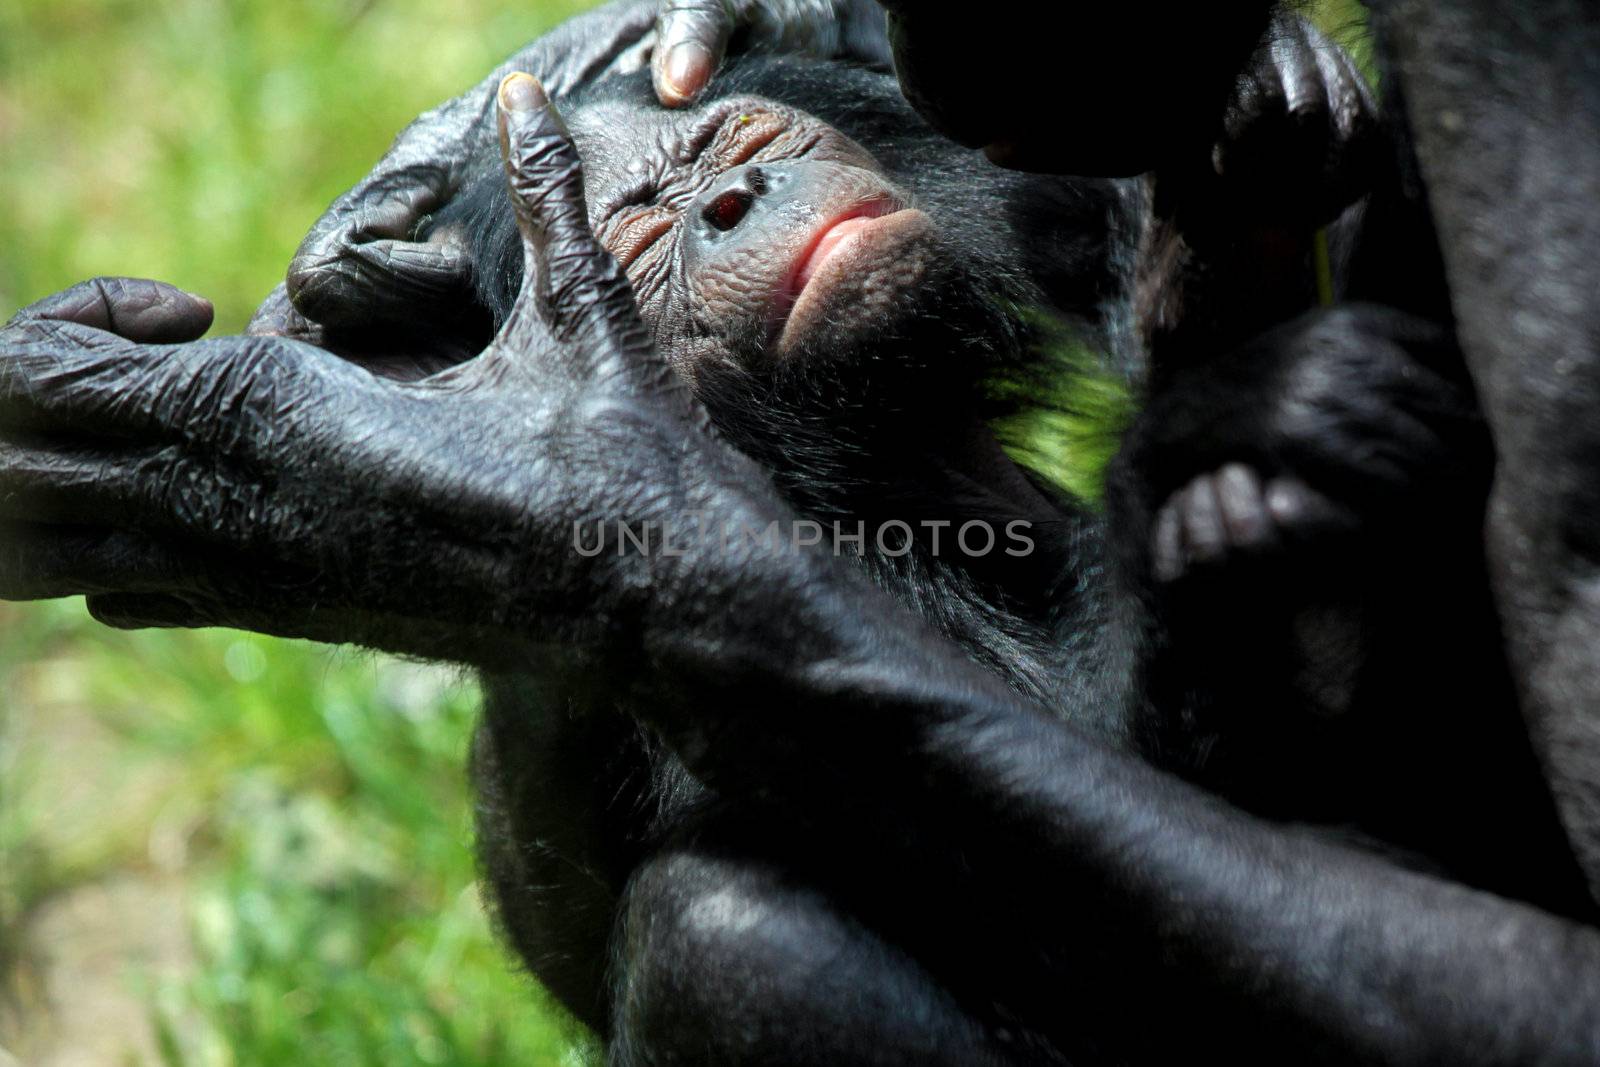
[522,92]
[689,66]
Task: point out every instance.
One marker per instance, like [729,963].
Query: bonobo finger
[1357,142]
[692,37]
[579,284]
[82,382]
[1294,48]
[1204,533]
[1242,499]
[1167,546]
[60,376]
[90,486]
[45,562]
[278,317]
[359,267]
[137,309]
[143,611]
[1305,516]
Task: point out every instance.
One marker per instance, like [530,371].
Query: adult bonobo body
[860,837]
[828,367]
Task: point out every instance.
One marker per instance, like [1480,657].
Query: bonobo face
[753,231]
[805,231]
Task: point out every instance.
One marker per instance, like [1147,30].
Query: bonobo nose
[739,197]
[730,200]
[750,241]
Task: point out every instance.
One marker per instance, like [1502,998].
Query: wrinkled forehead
[614,135]
[619,139]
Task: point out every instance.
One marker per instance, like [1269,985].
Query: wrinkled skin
[878,782]
[361,269]
[361,272]
[717,251]
[142,399]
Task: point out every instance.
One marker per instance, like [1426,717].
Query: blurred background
[217,848]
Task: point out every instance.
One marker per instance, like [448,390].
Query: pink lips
[828,240]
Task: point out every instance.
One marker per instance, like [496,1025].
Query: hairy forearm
[1083,876]
[1110,885]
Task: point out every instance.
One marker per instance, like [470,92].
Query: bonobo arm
[261,482]
[1085,886]
[360,271]
[256,481]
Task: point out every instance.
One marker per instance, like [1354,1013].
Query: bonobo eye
[630,237]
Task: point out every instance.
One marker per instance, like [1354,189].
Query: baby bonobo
[838,283]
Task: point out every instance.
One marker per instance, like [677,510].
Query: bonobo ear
[137,309]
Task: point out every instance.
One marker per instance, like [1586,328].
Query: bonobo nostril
[731,198]
[729,209]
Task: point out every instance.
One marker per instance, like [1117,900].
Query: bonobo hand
[694,36]
[261,482]
[359,269]
[1299,141]
[1346,421]
[1125,93]
[359,272]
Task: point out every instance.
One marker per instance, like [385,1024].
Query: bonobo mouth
[836,247]
[863,253]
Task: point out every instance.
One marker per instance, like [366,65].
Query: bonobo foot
[1232,514]
[1344,425]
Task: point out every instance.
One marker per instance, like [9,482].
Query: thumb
[136,309]
[691,37]
[571,285]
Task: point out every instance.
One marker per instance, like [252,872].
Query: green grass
[317,798]
[196,140]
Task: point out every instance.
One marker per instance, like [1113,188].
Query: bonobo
[833,279]
[841,836]
[837,283]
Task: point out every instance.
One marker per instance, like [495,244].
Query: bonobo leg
[562,819]
[728,955]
